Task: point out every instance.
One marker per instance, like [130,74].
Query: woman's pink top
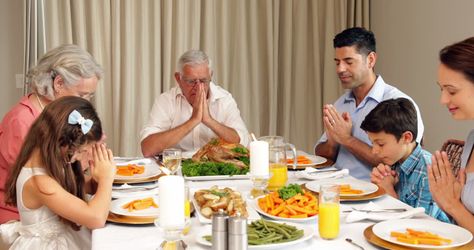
[13,129]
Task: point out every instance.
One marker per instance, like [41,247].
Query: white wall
[11,52]
[409,36]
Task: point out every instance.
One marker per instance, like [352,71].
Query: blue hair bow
[76,118]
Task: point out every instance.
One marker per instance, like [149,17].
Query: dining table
[125,236]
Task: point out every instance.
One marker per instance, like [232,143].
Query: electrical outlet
[20,83]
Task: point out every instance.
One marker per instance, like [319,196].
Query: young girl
[48,185]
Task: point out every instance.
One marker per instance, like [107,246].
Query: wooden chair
[454,148]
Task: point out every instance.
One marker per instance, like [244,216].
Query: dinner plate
[132,220]
[308,234]
[253,215]
[366,187]
[254,204]
[116,207]
[457,234]
[315,160]
[151,169]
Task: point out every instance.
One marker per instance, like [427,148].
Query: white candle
[259,158]
[171,202]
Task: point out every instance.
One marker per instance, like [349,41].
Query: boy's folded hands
[384,176]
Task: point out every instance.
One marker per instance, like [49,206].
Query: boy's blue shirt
[413,188]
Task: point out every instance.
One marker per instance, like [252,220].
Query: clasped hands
[445,188]
[384,176]
[338,127]
[200,107]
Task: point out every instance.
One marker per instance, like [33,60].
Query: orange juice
[187,217]
[328,220]
[279,176]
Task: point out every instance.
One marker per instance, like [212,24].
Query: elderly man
[344,141]
[192,113]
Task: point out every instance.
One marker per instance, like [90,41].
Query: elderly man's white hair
[69,61]
[193,57]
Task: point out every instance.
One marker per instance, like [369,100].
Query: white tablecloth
[116,236]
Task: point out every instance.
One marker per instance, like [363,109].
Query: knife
[383,210]
[324,171]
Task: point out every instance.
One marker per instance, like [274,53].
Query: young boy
[392,128]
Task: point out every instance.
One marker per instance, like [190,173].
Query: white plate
[458,235]
[315,159]
[151,169]
[116,207]
[253,215]
[254,204]
[216,177]
[308,234]
[365,186]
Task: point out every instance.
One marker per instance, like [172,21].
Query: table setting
[350,213]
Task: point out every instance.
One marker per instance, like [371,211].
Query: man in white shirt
[192,113]
[344,141]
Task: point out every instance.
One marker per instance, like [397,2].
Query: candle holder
[172,237]
[259,186]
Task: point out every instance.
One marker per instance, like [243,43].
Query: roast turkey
[218,150]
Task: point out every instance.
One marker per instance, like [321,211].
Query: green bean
[267,232]
[262,232]
[281,230]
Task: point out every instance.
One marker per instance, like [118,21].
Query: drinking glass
[172,159]
[278,168]
[278,141]
[329,211]
[187,211]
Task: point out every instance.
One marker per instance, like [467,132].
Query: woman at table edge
[455,195]
[67,70]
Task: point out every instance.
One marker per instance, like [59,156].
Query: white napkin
[312,174]
[380,216]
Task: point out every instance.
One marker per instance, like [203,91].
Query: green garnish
[191,168]
[289,191]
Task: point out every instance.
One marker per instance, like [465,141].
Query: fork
[137,189]
[355,244]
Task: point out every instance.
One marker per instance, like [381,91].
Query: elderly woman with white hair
[67,70]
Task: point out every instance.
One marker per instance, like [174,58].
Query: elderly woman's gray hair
[193,57]
[69,61]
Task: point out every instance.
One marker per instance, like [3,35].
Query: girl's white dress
[40,228]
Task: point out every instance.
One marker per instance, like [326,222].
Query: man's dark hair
[363,39]
[393,116]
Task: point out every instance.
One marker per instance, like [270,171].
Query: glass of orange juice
[329,211]
[278,168]
[187,211]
